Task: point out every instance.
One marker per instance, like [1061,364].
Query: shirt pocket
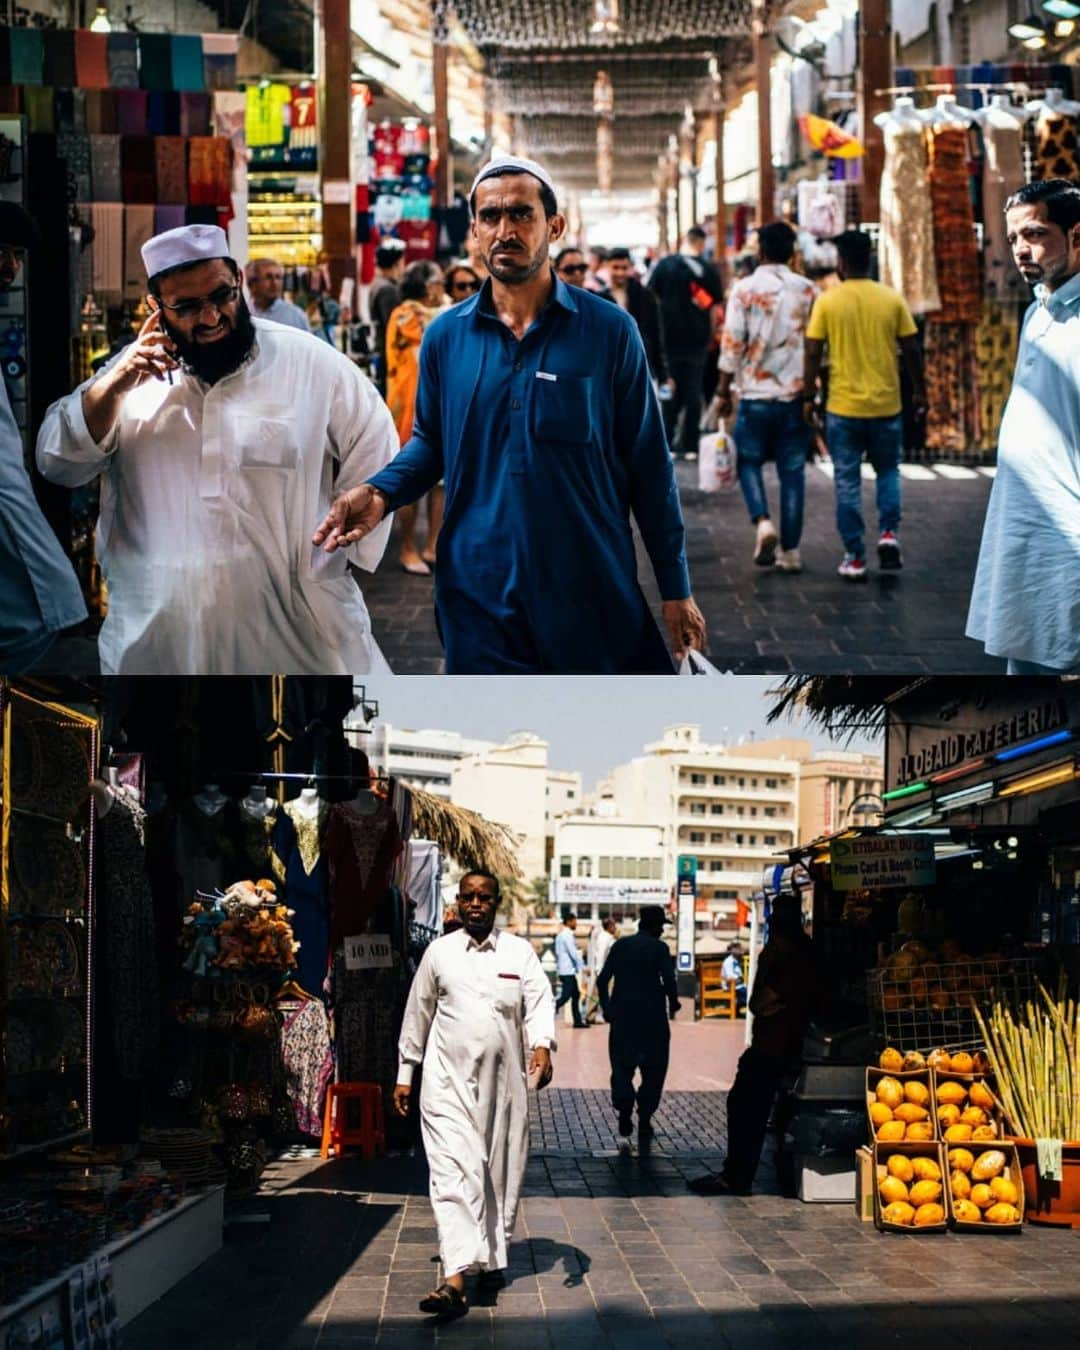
[562,410]
[269,441]
[507,994]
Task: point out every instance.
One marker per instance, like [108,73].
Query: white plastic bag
[693,663]
[716,461]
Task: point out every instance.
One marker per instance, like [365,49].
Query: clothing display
[309,1061]
[367,1009]
[906,256]
[1003,171]
[362,846]
[955,248]
[996,341]
[952,417]
[299,848]
[1057,149]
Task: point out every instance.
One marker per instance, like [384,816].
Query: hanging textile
[204,853]
[955,249]
[59,64]
[170,169]
[105,169]
[300,849]
[74,150]
[1056,147]
[952,418]
[123,60]
[101,119]
[362,848]
[91,60]
[186,62]
[194,114]
[107,219]
[138,230]
[907,220]
[264,118]
[209,170]
[155,61]
[996,341]
[219,60]
[169,218]
[368,1007]
[137,168]
[422,875]
[1003,173]
[40,106]
[132,112]
[27,52]
[125,929]
[309,1062]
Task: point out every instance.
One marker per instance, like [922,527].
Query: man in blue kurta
[1025,605]
[536,408]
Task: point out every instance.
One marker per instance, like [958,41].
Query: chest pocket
[268,442]
[507,995]
[562,410]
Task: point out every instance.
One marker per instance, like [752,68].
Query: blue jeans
[764,428]
[881,439]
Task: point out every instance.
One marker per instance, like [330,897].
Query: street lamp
[862,806]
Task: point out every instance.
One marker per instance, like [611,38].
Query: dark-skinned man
[535,406]
[478,995]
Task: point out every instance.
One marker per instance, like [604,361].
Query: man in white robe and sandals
[220,441]
[479,997]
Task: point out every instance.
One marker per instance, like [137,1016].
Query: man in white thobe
[479,995]
[1025,603]
[220,442]
[601,940]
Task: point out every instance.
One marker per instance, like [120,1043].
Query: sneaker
[888,551]
[765,543]
[788,560]
[852,568]
[644,1134]
[626,1123]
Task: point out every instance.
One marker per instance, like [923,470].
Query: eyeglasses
[191,309]
[466,285]
[484,896]
[576,268]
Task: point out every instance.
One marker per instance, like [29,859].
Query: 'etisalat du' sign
[864,864]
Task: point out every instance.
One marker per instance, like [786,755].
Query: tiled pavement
[764,621]
[610,1251]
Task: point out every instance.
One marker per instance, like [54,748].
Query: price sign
[369,951]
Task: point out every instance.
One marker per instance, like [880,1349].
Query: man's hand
[539,1062]
[351,516]
[810,413]
[669,385]
[150,355]
[685,625]
[402,1097]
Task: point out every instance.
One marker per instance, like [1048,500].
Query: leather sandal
[446,1301]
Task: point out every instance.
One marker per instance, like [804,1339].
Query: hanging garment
[170,170]
[299,848]
[253,834]
[955,248]
[219,60]
[422,875]
[951,389]
[168,218]
[309,1062]
[265,114]
[123,59]
[125,929]
[39,103]
[101,118]
[1003,173]
[137,168]
[204,851]
[74,150]
[138,229]
[907,220]
[59,64]
[132,112]
[91,59]
[209,170]
[996,340]
[155,61]
[195,114]
[1056,147]
[362,850]
[105,169]
[186,62]
[471,1008]
[206,520]
[27,55]
[107,219]
[367,1010]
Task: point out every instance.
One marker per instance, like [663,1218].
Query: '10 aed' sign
[368,951]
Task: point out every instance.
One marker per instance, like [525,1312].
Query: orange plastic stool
[369,1135]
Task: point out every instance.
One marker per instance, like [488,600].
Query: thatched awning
[469,839]
[841,705]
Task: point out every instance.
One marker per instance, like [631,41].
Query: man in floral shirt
[761,355]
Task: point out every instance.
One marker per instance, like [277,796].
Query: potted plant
[1034,1051]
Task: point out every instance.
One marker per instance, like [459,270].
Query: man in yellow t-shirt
[863,322]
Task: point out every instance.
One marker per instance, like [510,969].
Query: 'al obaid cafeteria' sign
[872,861]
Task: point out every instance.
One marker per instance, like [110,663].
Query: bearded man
[536,408]
[220,441]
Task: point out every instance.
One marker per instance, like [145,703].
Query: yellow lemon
[900,1212]
[961,1159]
[924,1192]
[891,1190]
[982,1195]
[900,1165]
[926,1169]
[988,1164]
[929,1214]
[1005,1189]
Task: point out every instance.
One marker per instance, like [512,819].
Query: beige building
[731,807]
[512,785]
[604,865]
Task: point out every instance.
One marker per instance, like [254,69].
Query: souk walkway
[761,621]
[613,1252]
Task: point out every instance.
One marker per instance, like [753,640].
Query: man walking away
[687,286]
[639,1009]
[642,306]
[568,963]
[1025,604]
[601,941]
[762,354]
[266,282]
[478,995]
[862,321]
[786,990]
[384,297]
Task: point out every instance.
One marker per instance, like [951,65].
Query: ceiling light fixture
[101,22]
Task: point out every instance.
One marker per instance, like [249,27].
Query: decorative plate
[65,770]
[59,952]
[47,870]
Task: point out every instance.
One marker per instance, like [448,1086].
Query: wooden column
[335,71]
[444,176]
[875,72]
[721,204]
[766,179]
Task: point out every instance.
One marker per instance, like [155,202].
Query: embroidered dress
[955,249]
[362,849]
[298,845]
[308,1061]
[907,220]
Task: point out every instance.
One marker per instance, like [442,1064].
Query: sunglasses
[466,285]
[190,309]
[575,268]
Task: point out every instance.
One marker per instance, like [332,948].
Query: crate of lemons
[914,1097]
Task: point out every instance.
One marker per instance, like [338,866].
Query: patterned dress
[907,221]
[299,846]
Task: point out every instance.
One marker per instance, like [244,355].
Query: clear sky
[591,724]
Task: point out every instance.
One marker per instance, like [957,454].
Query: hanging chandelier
[605,18]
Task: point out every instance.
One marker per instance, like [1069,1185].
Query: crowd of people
[534,397]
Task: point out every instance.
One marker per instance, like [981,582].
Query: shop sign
[923,742]
[586,890]
[686,911]
[874,861]
[369,951]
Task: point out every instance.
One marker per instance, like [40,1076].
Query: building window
[565,869]
[571,794]
[605,867]
[770,810]
[753,841]
[584,867]
[753,810]
[739,839]
[716,838]
[618,868]
[631,869]
[717,809]
[770,838]
[697,808]
[718,780]
[742,782]
[696,837]
[716,865]
[657,869]
[698,779]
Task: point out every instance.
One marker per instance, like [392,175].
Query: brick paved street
[612,1250]
[765,621]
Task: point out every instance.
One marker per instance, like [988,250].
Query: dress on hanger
[255,836]
[309,1061]
[996,342]
[1003,172]
[206,857]
[955,249]
[907,221]
[299,844]
[362,848]
[1057,151]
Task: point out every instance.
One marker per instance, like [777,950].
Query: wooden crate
[1012,1171]
[930,1149]
[924,1076]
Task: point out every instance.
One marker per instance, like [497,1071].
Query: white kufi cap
[186,244]
[512,164]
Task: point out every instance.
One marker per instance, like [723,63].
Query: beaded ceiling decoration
[533,88]
[562,25]
[558,138]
